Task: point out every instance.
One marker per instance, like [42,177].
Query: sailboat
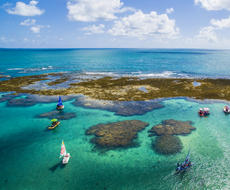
[185,165]
[63,154]
[60,106]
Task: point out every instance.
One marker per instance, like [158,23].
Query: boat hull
[60,107]
[203,114]
[65,159]
[53,127]
[182,169]
[224,109]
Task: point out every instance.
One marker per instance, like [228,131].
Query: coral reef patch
[60,115]
[117,89]
[118,134]
[167,144]
[172,127]
[120,108]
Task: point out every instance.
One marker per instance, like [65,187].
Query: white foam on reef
[32,70]
[15,69]
[101,73]
[139,74]
[165,74]
[4,76]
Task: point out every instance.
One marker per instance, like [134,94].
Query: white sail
[63,149]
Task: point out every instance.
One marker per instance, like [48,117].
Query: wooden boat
[60,106]
[185,165]
[54,125]
[226,109]
[65,156]
[203,112]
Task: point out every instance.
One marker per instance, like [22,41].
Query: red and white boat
[65,156]
[203,112]
[226,109]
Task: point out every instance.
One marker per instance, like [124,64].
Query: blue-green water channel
[30,153]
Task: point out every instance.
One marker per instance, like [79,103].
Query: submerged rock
[8,97]
[119,134]
[172,127]
[31,100]
[60,115]
[167,145]
[120,108]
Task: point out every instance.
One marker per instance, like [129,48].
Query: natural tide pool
[30,153]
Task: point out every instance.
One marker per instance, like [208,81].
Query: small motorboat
[226,109]
[54,125]
[63,154]
[203,112]
[60,106]
[185,165]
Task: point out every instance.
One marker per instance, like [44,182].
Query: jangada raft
[185,165]
[203,112]
[226,109]
[60,106]
[63,154]
[54,125]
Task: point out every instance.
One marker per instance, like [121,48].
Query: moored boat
[203,112]
[65,156]
[60,106]
[54,125]
[186,164]
[226,109]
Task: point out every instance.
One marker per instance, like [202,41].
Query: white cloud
[36,29]
[214,4]
[24,9]
[28,22]
[94,29]
[168,11]
[207,34]
[113,39]
[93,10]
[5,40]
[142,25]
[223,23]
[26,40]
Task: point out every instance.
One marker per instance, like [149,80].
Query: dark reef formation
[120,108]
[167,144]
[114,135]
[31,100]
[58,114]
[172,127]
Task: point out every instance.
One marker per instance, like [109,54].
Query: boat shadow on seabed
[56,166]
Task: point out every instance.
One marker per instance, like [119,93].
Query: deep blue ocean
[140,62]
[30,153]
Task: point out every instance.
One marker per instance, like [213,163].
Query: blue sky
[115,24]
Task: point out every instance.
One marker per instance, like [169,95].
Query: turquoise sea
[30,153]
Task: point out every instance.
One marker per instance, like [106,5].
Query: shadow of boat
[53,168]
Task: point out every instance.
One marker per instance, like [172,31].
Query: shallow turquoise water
[30,153]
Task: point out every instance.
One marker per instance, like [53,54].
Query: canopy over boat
[59,102]
[206,109]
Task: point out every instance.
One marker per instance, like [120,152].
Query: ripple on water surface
[33,152]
